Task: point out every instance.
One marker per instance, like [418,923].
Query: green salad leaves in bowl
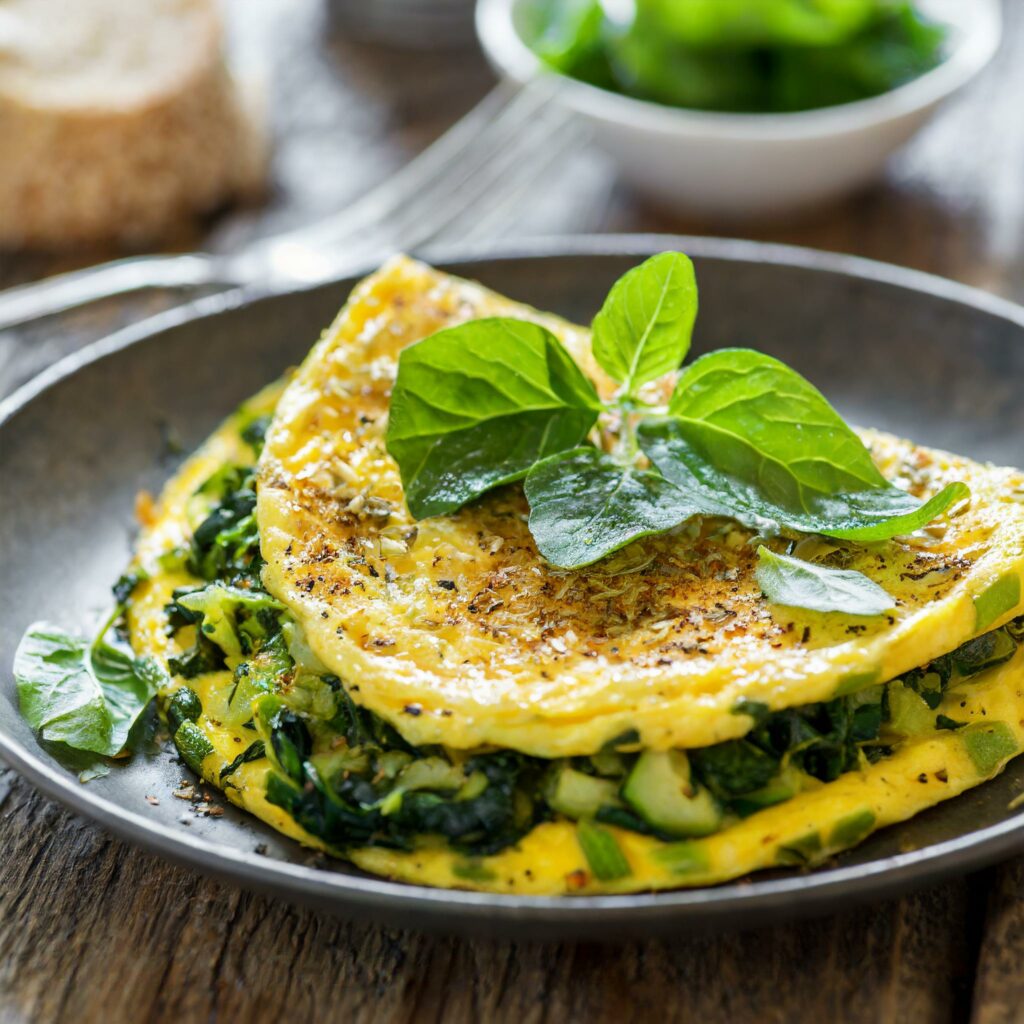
[740,56]
[741,108]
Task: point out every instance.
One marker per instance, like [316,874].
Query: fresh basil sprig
[84,694]
[744,436]
[644,328]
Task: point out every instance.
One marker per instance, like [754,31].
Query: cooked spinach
[225,545]
[346,776]
[364,794]
[203,656]
[253,752]
[832,737]
[361,793]
[254,433]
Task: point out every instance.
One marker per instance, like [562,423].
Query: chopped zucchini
[988,745]
[577,795]
[193,745]
[909,714]
[661,790]
[603,853]
[184,706]
[431,773]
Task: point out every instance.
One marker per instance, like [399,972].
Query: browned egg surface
[457,631]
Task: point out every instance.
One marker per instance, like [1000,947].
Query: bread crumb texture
[120,121]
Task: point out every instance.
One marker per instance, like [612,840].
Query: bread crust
[133,171]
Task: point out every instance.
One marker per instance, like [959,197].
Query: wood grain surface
[94,930]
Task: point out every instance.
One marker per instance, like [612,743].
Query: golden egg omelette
[434,702]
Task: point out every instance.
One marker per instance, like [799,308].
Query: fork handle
[80,287]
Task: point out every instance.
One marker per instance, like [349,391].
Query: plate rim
[743,903]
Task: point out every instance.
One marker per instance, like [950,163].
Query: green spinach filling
[349,778]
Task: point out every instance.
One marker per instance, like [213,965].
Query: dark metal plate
[916,355]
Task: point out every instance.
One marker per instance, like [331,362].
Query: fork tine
[502,212]
[484,183]
[464,146]
[446,181]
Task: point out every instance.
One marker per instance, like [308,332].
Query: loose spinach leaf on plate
[798,584]
[585,504]
[84,694]
[477,405]
[747,433]
[644,328]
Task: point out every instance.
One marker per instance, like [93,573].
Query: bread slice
[119,121]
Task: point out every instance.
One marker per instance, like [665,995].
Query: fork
[482,166]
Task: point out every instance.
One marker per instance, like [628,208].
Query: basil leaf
[644,328]
[751,438]
[585,505]
[475,406]
[768,425]
[789,581]
[84,694]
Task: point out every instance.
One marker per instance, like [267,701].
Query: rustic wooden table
[94,930]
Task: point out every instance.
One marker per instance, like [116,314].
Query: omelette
[434,702]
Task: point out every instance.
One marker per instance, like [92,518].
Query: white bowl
[733,166]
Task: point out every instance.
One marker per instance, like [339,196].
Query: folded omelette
[436,703]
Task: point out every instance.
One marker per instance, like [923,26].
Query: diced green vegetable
[193,745]
[909,715]
[801,851]
[609,763]
[661,790]
[605,857]
[577,795]
[433,773]
[988,744]
[851,829]
[473,871]
[684,858]
[259,674]
[1001,597]
[184,706]
[784,786]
